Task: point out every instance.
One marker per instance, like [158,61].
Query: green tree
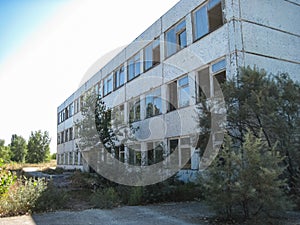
[38,147]
[5,152]
[258,102]
[246,179]
[18,147]
[263,116]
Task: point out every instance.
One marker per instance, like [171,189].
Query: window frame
[206,8]
[135,104]
[109,78]
[119,77]
[154,95]
[135,62]
[152,47]
[176,30]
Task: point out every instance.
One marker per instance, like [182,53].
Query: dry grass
[41,166]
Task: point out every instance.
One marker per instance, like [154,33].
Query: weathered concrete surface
[163,214]
[188,213]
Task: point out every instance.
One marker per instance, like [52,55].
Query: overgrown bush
[7,178]
[105,198]
[21,196]
[51,199]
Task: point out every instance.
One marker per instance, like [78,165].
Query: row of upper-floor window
[151,104]
[206,18]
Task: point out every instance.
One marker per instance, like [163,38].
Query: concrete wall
[259,32]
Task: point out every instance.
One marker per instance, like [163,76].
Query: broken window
[208,18]
[134,67]
[119,77]
[152,55]
[176,38]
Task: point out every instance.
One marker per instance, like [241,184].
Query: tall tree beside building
[261,108]
[18,147]
[5,152]
[38,147]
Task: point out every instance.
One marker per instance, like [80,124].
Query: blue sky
[20,18]
[47,46]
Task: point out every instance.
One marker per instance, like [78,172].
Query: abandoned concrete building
[194,42]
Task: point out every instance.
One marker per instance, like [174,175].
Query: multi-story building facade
[154,80]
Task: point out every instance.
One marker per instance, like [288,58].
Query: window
[183,158]
[153,104]
[66,135]
[58,138]
[98,89]
[183,92]
[71,109]
[134,108]
[179,93]
[176,38]
[67,113]
[118,116]
[152,55]
[208,18]
[172,96]
[108,85]
[76,106]
[203,84]
[135,155]
[134,67]
[219,75]
[81,101]
[154,152]
[119,77]
[71,136]
[62,137]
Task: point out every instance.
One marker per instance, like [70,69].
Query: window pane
[182,39]
[171,42]
[219,66]
[184,96]
[180,26]
[157,106]
[184,81]
[201,20]
[148,57]
[149,106]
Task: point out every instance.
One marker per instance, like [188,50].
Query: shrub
[51,199]
[135,196]
[7,178]
[21,197]
[105,198]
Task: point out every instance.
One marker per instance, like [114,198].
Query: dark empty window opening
[172,96]
[221,79]
[215,17]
